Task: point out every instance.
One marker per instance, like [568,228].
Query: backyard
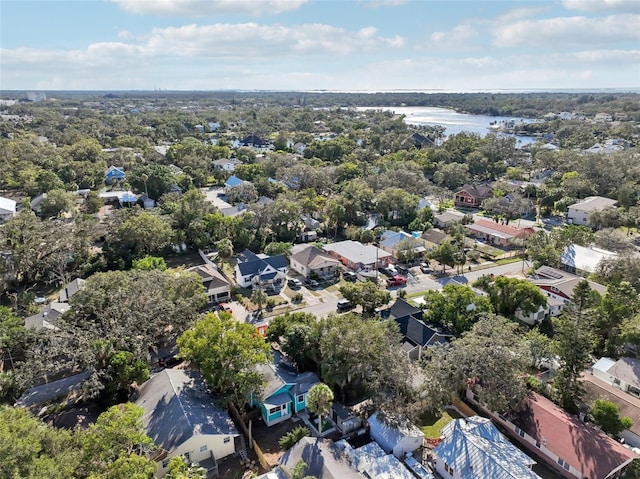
[431,424]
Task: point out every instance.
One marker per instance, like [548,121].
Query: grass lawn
[517,259]
[431,425]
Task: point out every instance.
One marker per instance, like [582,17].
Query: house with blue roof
[285,391]
[268,272]
[399,242]
[232,181]
[473,447]
[114,175]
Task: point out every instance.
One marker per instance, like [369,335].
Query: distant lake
[454,122]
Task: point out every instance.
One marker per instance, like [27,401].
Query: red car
[397,280]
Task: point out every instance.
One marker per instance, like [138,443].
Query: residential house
[603,117]
[606,148]
[421,141]
[402,245]
[226,164]
[472,196]
[181,417]
[584,261]
[233,210]
[434,238]
[417,335]
[254,141]
[323,457]
[394,435]
[37,396]
[70,289]
[570,446]
[7,208]
[146,202]
[447,218]
[628,405]
[373,462]
[345,418]
[260,270]
[357,256]
[559,286]
[311,261]
[623,373]
[232,181]
[47,317]
[498,234]
[113,175]
[36,203]
[473,447]
[539,176]
[217,286]
[285,392]
[579,213]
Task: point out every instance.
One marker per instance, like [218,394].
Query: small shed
[394,435]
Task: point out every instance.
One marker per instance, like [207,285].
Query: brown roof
[588,450]
[511,230]
[477,191]
[628,405]
[312,257]
[435,236]
[626,369]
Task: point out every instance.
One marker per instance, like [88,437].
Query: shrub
[289,439]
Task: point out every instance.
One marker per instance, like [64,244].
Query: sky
[342,45]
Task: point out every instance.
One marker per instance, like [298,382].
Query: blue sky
[449,45]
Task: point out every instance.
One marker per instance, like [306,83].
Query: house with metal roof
[474,448]
[232,181]
[70,289]
[584,261]
[623,374]
[373,462]
[400,243]
[47,317]
[285,390]
[395,436]
[263,271]
[181,417]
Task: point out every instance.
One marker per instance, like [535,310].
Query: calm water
[454,122]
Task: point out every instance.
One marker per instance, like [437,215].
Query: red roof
[517,232]
[585,448]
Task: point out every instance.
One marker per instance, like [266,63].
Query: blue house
[285,392]
[113,175]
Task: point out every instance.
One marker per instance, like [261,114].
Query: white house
[623,374]
[217,286]
[580,260]
[473,447]
[183,420]
[579,213]
[397,436]
[266,271]
[226,164]
[7,209]
[357,256]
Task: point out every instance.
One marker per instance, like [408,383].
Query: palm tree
[319,401]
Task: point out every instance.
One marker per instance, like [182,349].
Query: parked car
[345,305]
[294,283]
[424,267]
[386,272]
[397,280]
[350,276]
[402,269]
[312,283]
[224,307]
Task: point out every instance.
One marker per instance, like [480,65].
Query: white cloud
[520,13]
[202,8]
[454,39]
[382,3]
[631,6]
[568,31]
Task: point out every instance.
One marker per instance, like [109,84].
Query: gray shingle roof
[177,406]
[324,460]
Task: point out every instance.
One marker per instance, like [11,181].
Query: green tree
[490,359]
[320,401]
[149,263]
[619,305]
[457,307]
[445,254]
[92,203]
[179,469]
[276,248]
[259,298]
[57,202]
[154,180]
[510,295]
[227,353]
[607,415]
[116,441]
[367,294]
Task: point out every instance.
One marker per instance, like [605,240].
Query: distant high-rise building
[36,96]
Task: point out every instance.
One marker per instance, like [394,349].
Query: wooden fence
[252,443]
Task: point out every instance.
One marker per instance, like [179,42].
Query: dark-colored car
[345,305]
[350,276]
[402,269]
[386,272]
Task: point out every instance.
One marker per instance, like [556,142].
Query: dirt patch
[267,438]
[186,260]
